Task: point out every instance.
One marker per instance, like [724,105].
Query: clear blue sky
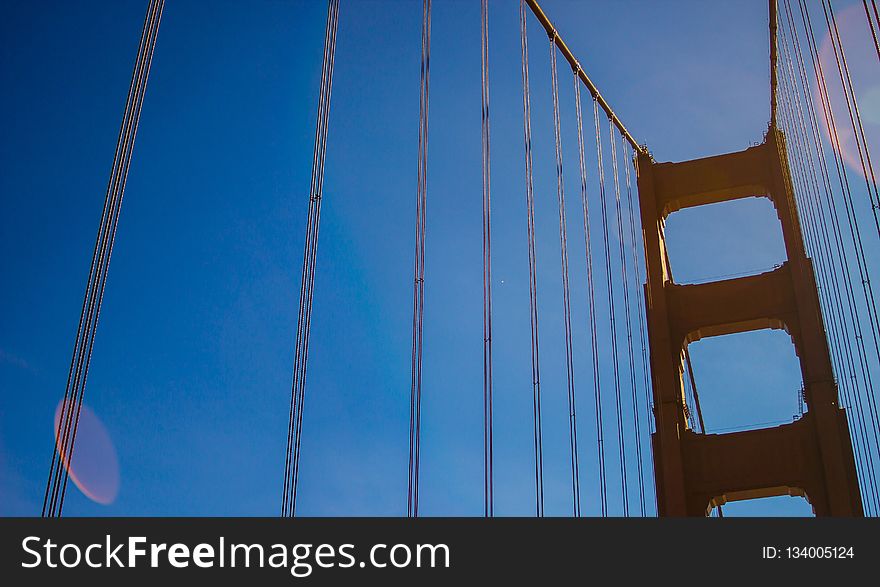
[192,368]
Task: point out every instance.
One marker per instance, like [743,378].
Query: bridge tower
[810,457]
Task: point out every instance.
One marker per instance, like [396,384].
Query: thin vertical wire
[611,312]
[872,26]
[66,432]
[855,231]
[419,271]
[854,112]
[625,274]
[307,283]
[488,457]
[620,427]
[640,298]
[566,290]
[594,346]
[817,232]
[855,234]
[840,330]
[70,403]
[533,268]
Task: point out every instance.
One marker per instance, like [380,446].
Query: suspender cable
[640,311]
[816,233]
[594,346]
[412,505]
[308,270]
[609,282]
[812,237]
[866,280]
[624,274]
[872,25]
[566,290]
[855,233]
[841,340]
[689,410]
[533,268]
[56,485]
[488,479]
[686,365]
[693,381]
[620,425]
[852,106]
[829,119]
[773,59]
[835,277]
[310,254]
[695,418]
[118,181]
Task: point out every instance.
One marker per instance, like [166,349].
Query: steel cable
[594,345]
[533,269]
[66,432]
[307,278]
[566,289]
[419,271]
[488,433]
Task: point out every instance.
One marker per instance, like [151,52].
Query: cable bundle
[71,405]
[310,255]
[488,478]
[566,290]
[533,269]
[831,227]
[415,407]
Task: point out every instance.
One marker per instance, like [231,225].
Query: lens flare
[94,467]
[861,59]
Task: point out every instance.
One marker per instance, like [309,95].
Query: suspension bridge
[650,449]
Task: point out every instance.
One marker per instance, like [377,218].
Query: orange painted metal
[812,456]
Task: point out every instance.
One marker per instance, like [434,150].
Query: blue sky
[192,366]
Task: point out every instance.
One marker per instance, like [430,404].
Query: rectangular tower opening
[746,381]
[724,240]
